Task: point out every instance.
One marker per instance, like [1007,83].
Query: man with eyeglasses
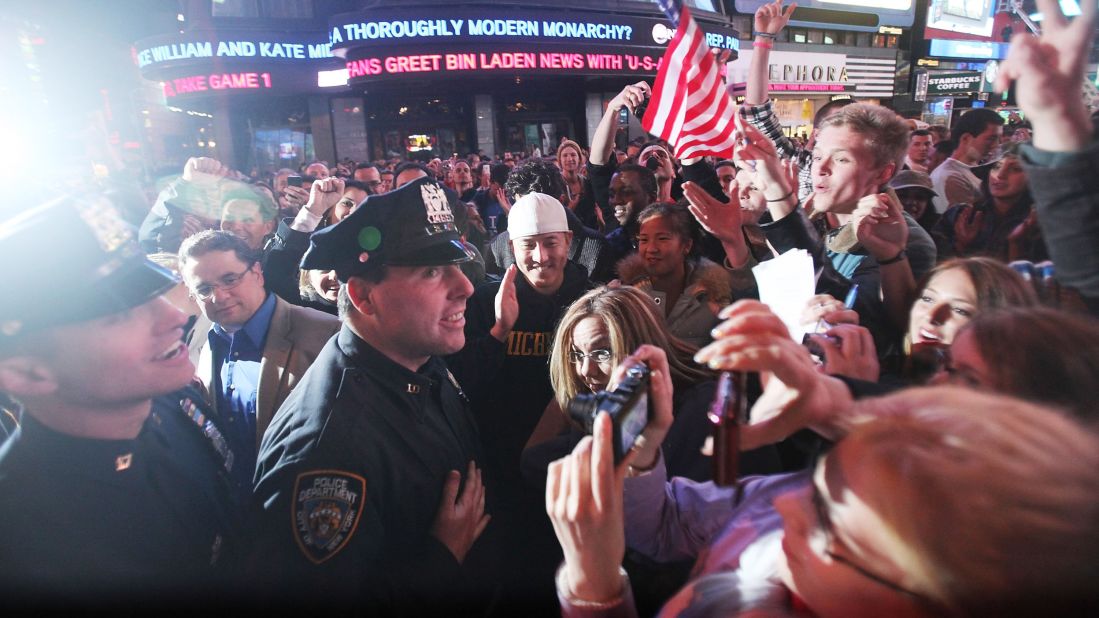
[259,345]
[369,175]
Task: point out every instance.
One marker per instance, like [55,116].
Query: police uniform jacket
[350,476]
[94,521]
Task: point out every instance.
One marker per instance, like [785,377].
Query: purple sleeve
[675,520]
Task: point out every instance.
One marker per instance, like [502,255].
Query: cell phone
[293,181]
[486,168]
[728,412]
[623,117]
[639,111]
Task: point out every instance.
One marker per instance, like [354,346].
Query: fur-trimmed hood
[706,280]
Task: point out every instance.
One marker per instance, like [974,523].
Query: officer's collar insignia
[439,216]
[414,389]
[326,509]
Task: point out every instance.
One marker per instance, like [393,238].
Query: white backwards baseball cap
[536,213]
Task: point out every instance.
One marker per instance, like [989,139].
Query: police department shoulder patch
[326,509]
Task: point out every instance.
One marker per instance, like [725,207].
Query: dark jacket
[130,523]
[508,383]
[282,267]
[1065,187]
[350,477]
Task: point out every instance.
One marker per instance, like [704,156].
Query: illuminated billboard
[858,15]
[515,25]
[962,16]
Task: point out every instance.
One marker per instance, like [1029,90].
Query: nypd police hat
[410,226]
[71,260]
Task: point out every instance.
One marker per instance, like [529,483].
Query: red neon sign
[217,81]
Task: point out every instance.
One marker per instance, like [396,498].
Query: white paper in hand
[786,284]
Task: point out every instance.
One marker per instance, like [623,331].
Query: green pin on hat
[370,238]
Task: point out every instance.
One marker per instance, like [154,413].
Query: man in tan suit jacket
[259,346]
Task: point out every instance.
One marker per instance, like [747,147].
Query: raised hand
[795,395]
[721,219]
[631,96]
[507,305]
[849,351]
[1048,73]
[829,309]
[755,150]
[324,194]
[461,518]
[771,18]
[584,502]
[880,226]
[501,197]
[293,198]
[204,170]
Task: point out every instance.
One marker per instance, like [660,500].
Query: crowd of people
[355,386]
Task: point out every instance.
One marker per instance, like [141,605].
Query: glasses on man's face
[374,184]
[206,291]
[820,507]
[601,357]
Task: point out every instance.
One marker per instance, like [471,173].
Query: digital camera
[627,404]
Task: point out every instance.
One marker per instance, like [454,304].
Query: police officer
[367,480]
[115,484]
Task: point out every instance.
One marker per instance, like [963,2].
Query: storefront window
[799,36]
[413,125]
[526,137]
[349,128]
[850,38]
[281,135]
[743,25]
[816,37]
[279,148]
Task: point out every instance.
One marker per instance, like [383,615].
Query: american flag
[690,107]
